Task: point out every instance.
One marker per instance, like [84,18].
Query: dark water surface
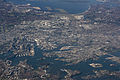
[71,6]
[55,66]
[76,6]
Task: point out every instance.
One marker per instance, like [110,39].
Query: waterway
[55,66]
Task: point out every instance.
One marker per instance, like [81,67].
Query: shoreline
[76,12]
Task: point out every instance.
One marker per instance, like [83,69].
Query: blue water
[71,6]
[55,66]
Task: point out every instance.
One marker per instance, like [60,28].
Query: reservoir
[55,66]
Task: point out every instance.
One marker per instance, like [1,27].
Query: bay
[71,6]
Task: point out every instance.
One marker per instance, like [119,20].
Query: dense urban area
[67,38]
